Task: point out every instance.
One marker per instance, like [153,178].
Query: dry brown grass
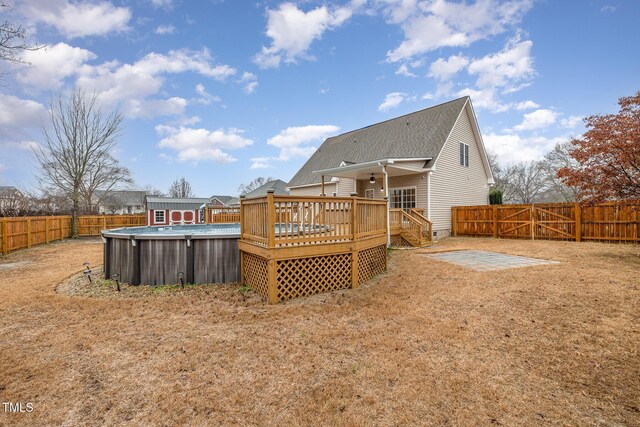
[426,343]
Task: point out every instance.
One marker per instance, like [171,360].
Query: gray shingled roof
[416,135]
[121,197]
[177,203]
[223,199]
[278,185]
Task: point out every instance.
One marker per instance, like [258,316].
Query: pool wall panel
[162,260]
[216,260]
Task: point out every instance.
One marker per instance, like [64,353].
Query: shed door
[176,217]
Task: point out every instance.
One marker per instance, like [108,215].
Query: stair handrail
[428,229]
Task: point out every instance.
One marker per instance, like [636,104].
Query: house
[224,201]
[12,201]
[120,202]
[431,160]
[278,185]
[174,210]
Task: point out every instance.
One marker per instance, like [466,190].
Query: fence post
[578,211]
[46,229]
[4,250]
[533,222]
[104,222]
[495,222]
[454,224]
[28,232]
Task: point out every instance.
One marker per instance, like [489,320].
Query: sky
[222,92]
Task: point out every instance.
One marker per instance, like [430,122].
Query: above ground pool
[205,253]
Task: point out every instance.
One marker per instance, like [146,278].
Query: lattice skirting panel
[255,271]
[371,262]
[307,276]
[399,242]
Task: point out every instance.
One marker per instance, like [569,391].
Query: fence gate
[555,221]
[514,221]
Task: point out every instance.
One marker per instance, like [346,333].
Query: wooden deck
[297,246]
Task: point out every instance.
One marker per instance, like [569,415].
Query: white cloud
[292,31]
[608,8]
[16,112]
[260,163]
[149,108]
[250,82]
[444,69]
[205,97]
[434,24]
[526,105]
[131,84]
[392,100]
[78,19]
[49,66]
[538,119]
[512,148]
[296,141]
[504,68]
[165,29]
[167,4]
[202,144]
[484,98]
[403,70]
[571,121]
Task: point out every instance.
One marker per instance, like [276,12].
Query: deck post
[271,219]
[578,212]
[495,222]
[272,280]
[322,186]
[387,221]
[354,269]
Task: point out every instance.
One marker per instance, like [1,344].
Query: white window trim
[155,216]
[465,154]
[414,188]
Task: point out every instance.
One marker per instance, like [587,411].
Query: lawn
[426,343]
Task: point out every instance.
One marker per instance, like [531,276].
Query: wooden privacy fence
[24,232]
[221,215]
[294,246]
[604,222]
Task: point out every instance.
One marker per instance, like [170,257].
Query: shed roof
[278,185]
[421,134]
[175,203]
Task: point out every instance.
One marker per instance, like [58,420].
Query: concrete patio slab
[487,261]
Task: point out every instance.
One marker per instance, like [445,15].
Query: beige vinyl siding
[314,190]
[453,184]
[345,187]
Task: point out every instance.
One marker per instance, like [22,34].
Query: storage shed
[174,210]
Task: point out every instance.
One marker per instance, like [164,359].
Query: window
[369,193]
[159,216]
[464,154]
[403,198]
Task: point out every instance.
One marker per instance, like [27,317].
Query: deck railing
[416,227]
[221,215]
[280,221]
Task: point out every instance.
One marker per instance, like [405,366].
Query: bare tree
[13,39]
[13,202]
[150,190]
[245,188]
[556,159]
[180,188]
[526,181]
[76,158]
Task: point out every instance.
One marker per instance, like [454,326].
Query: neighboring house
[223,201]
[174,210]
[431,159]
[120,202]
[278,185]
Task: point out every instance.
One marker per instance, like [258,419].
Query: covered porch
[405,185]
